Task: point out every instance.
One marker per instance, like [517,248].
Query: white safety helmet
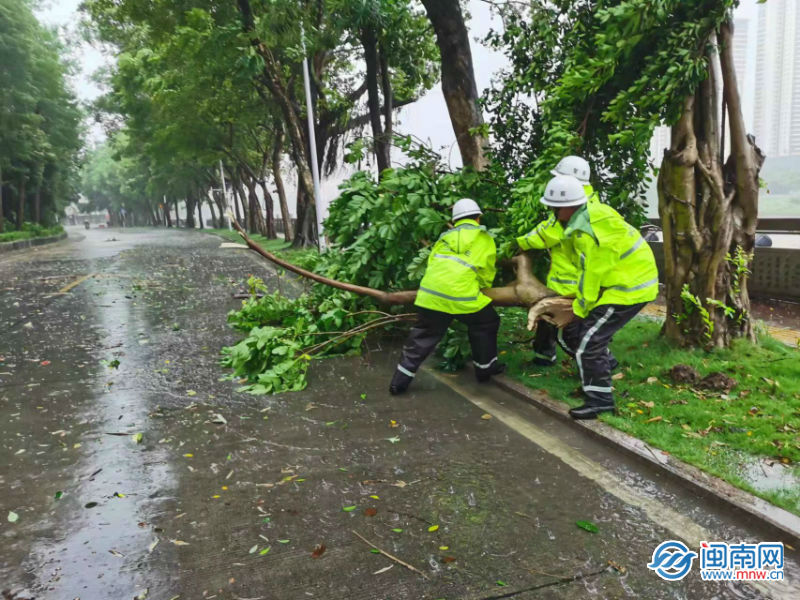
[575,166]
[464,208]
[564,191]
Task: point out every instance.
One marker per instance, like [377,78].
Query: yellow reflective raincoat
[562,277]
[461,264]
[615,264]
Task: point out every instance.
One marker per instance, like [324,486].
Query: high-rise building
[658,143]
[743,60]
[777,78]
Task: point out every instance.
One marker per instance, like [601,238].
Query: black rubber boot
[590,411]
[543,362]
[400,383]
[485,375]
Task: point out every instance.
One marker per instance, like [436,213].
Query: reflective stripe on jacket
[616,265]
[461,264]
[562,277]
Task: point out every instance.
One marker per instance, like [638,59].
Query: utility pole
[312,142]
[225,196]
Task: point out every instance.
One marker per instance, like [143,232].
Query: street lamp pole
[312,142]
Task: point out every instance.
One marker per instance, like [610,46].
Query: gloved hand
[556,310]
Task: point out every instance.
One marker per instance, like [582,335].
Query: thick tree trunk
[2,216]
[217,224]
[388,107]
[37,203]
[190,203]
[177,215]
[238,194]
[708,213]
[370,44]
[269,212]
[200,211]
[21,203]
[166,210]
[288,230]
[256,216]
[304,234]
[458,79]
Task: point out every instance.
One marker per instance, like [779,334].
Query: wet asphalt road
[188,508]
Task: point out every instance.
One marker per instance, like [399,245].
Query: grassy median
[29,231]
[749,436]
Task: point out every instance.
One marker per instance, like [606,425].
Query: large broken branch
[526,290]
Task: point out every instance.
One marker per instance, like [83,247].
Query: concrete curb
[773,516]
[20,244]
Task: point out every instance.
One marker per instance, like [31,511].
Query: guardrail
[776,272]
[765,224]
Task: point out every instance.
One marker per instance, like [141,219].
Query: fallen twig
[389,556]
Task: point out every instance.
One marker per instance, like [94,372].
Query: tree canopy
[41,134]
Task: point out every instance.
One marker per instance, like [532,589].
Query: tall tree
[595,76]
[458,80]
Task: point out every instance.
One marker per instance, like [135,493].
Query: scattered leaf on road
[12,517]
[265,550]
[383,570]
[397,530]
[179,542]
[433,528]
[319,550]
[349,508]
[393,440]
[371,512]
[253,549]
[588,526]
[486,416]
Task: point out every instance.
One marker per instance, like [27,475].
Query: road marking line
[659,513]
[75,283]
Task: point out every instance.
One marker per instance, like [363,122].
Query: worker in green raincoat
[562,277]
[461,264]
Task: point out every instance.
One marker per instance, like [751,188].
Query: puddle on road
[102,551]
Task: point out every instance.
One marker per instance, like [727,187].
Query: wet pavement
[136,471]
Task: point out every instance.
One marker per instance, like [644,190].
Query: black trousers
[430,327]
[544,342]
[587,340]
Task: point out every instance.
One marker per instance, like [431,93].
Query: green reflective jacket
[616,265]
[461,264]
[562,277]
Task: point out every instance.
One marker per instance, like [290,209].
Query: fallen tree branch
[525,291]
[387,555]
